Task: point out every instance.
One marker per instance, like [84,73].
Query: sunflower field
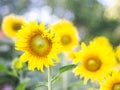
[59,45]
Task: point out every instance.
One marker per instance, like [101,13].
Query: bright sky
[107,2]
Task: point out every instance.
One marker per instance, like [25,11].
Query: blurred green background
[91,17]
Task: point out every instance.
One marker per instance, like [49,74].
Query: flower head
[67,33]
[95,60]
[11,24]
[40,46]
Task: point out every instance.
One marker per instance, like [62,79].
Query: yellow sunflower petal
[11,24]
[67,33]
[24,57]
[96,60]
[42,26]
[39,46]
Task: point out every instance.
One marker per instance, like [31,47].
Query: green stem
[65,75]
[21,76]
[49,79]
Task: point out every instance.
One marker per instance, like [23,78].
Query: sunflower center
[65,40]
[40,45]
[93,64]
[16,26]
[116,86]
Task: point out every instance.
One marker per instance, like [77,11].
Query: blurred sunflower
[118,53]
[112,82]
[40,46]
[95,60]
[67,33]
[11,24]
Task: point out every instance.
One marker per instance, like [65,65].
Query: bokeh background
[91,17]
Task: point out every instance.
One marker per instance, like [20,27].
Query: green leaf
[21,86]
[62,70]
[41,84]
[55,78]
[66,68]
[12,73]
[3,68]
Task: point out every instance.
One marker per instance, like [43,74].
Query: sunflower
[67,33]
[40,46]
[11,24]
[95,60]
[118,52]
[112,82]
